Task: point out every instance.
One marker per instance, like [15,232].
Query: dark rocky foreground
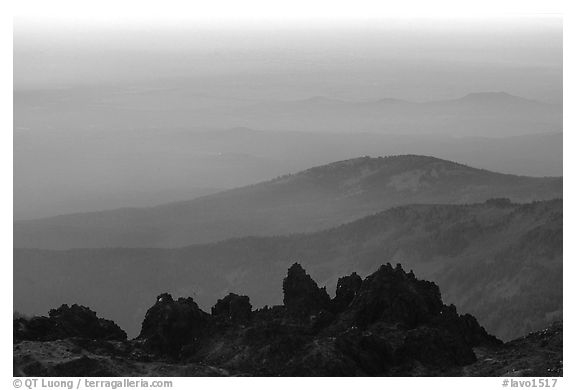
[389,324]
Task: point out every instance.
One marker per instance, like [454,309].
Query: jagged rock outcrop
[233,308]
[406,319]
[346,289]
[390,323]
[396,297]
[302,296]
[170,324]
[464,325]
[67,321]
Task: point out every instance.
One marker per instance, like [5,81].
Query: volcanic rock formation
[67,321]
[390,323]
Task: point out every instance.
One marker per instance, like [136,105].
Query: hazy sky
[417,59]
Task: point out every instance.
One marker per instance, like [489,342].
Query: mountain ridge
[312,170]
[310,200]
[478,96]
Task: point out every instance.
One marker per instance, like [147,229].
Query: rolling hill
[307,201]
[147,167]
[499,261]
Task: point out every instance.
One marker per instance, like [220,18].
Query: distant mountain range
[311,200]
[500,261]
[144,147]
[476,114]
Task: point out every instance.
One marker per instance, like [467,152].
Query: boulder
[171,324]
[67,321]
[233,308]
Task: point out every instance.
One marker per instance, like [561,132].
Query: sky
[352,59]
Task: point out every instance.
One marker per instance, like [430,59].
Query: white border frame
[246,10]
